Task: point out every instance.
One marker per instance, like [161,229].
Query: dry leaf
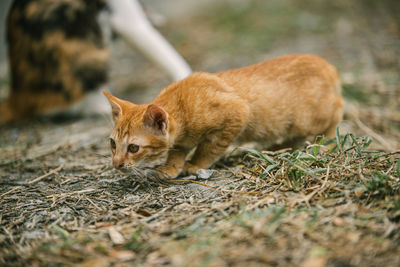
[338,221]
[103,224]
[353,237]
[359,191]
[143,212]
[98,262]
[115,236]
[122,255]
[314,262]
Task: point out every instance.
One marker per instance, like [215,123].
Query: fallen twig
[71,193]
[46,175]
[215,188]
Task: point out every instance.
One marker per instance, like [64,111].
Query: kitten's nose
[118,164]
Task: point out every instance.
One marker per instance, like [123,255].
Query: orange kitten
[275,102]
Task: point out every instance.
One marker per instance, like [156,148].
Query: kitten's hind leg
[294,143]
[337,117]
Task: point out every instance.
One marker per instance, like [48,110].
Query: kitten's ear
[156,119]
[116,105]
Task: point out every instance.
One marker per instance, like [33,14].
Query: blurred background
[58,187]
[360,37]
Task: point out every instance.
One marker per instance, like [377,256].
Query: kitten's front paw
[168,172]
[190,169]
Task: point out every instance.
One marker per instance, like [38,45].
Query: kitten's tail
[6,113]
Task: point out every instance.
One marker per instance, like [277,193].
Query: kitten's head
[140,137]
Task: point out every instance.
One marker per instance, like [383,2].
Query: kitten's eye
[133,148]
[112,143]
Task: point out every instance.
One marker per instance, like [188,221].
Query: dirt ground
[61,202]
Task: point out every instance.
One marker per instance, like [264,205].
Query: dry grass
[62,204]
[266,207]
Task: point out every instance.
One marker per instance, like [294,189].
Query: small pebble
[204,173]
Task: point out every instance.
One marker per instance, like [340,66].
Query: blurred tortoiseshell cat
[276,102]
[56,55]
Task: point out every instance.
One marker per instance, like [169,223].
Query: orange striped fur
[276,103]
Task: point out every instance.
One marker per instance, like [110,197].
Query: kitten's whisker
[138,172]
